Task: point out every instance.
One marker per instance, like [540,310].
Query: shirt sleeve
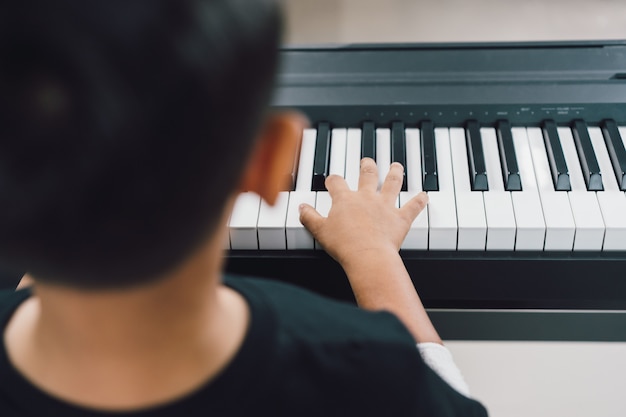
[440,360]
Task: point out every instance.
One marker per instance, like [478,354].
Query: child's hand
[363,232]
[363,223]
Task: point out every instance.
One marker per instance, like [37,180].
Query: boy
[127,130]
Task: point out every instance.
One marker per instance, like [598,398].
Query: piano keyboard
[491,187]
[520,148]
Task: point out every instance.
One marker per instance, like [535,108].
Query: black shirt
[303,355]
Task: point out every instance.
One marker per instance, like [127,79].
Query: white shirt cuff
[439,359]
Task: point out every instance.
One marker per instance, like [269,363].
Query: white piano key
[501,225]
[307,158]
[560,226]
[323,202]
[413,169]
[243,221]
[472,225]
[338,152]
[612,201]
[585,208]
[383,156]
[492,159]
[442,206]
[589,228]
[297,236]
[622,133]
[271,224]
[531,228]
[295,166]
[613,210]
[353,158]
[383,153]
[417,237]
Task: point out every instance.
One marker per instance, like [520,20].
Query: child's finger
[335,184]
[412,208]
[311,219]
[368,178]
[393,182]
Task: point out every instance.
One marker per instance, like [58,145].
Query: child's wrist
[361,262]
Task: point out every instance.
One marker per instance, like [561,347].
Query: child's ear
[273,158]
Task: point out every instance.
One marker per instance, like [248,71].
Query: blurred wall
[347,21]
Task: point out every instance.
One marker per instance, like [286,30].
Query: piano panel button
[585,208]
[498,205]
[531,228]
[588,161]
[560,226]
[297,236]
[472,224]
[417,237]
[612,201]
[353,158]
[398,147]
[617,153]
[442,206]
[338,152]
[243,221]
[323,202]
[322,158]
[510,170]
[556,160]
[271,225]
[307,157]
[430,180]
[368,141]
[475,157]
[383,153]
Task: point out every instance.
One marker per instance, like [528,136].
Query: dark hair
[124,127]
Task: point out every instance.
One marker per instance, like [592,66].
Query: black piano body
[470,294]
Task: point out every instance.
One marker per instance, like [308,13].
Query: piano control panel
[525,83]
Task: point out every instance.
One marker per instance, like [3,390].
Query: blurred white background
[347,21]
[513,379]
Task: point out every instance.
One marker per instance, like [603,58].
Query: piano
[521,148]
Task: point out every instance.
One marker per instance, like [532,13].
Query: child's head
[124,128]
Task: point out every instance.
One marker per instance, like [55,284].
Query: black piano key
[322,157]
[368,141]
[508,159]
[556,159]
[430,181]
[398,147]
[476,157]
[617,153]
[587,157]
